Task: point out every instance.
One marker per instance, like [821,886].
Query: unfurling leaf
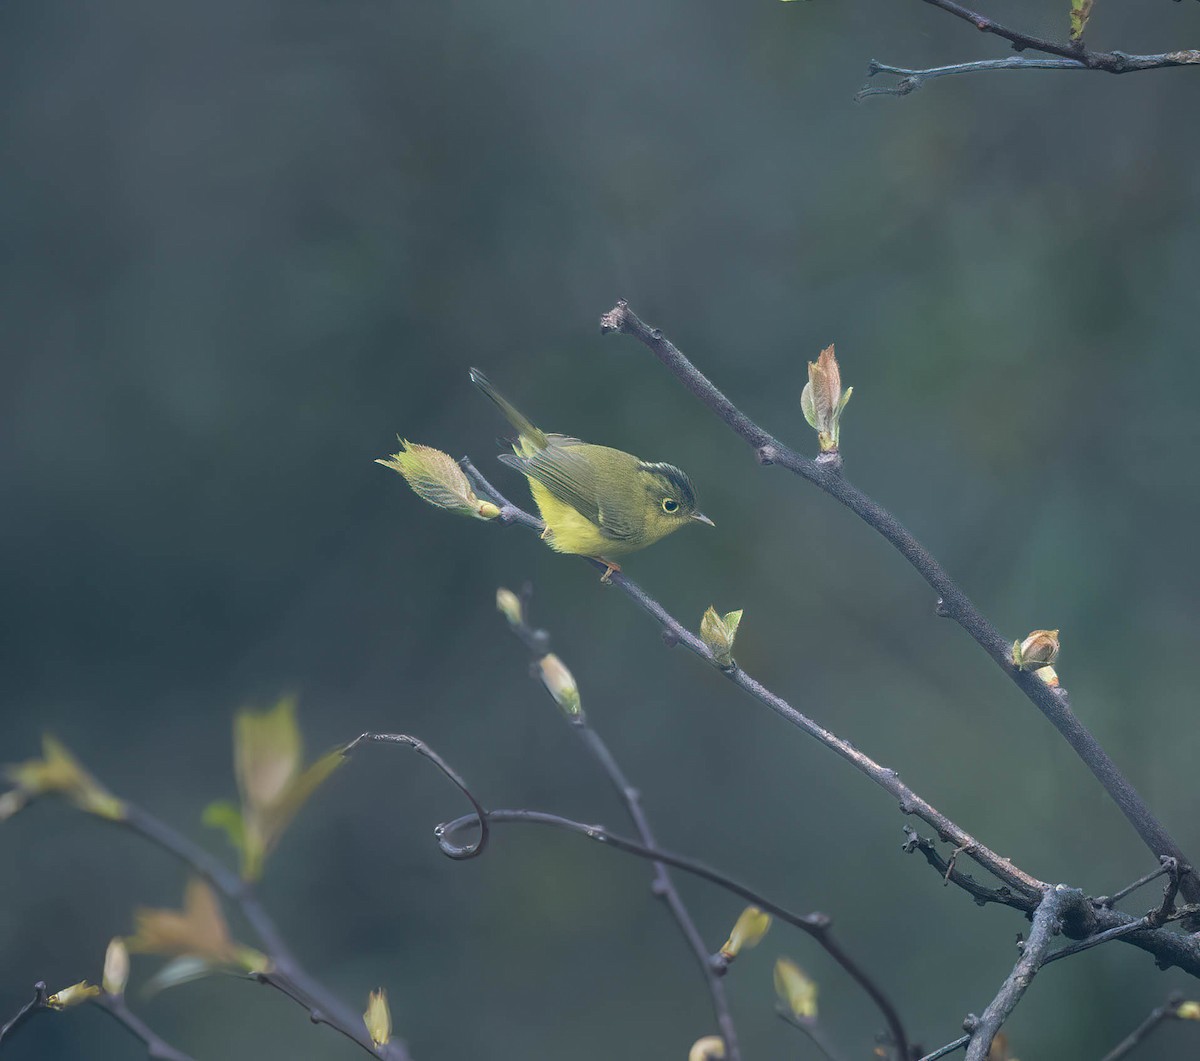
[198,932]
[73,995]
[58,773]
[508,604]
[747,931]
[796,991]
[560,684]
[378,1018]
[116,967]
[436,477]
[1081,11]
[822,400]
[710,1048]
[718,632]
[268,751]
[1037,653]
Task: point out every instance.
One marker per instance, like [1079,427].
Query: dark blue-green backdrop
[246,244]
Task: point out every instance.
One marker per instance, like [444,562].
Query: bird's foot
[606,578]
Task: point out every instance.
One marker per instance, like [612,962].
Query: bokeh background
[246,244]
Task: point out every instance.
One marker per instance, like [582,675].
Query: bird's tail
[530,434]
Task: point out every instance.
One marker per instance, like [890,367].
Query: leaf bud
[747,932]
[116,967]
[718,633]
[1188,1011]
[378,1018]
[1036,653]
[710,1048]
[436,477]
[73,995]
[560,684]
[796,990]
[822,400]
[508,604]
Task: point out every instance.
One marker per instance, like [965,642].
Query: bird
[595,501]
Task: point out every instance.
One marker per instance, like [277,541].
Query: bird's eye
[669,504]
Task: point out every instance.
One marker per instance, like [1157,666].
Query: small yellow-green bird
[596,501]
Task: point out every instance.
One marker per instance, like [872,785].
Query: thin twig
[1045,927]
[31,1008]
[1117,896]
[157,1048]
[286,987]
[1073,55]
[827,475]
[1158,1015]
[816,925]
[537,641]
[1024,891]
[949,1048]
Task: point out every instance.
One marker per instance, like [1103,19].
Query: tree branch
[1070,56]
[1023,891]
[826,473]
[1045,928]
[538,643]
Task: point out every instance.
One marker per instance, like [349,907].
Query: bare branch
[538,643]
[1045,927]
[1070,56]
[826,473]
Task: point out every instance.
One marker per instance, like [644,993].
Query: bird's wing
[572,479]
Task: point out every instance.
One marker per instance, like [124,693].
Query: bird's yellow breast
[572,533]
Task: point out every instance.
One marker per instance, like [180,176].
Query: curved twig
[421,748]
[818,926]
[826,474]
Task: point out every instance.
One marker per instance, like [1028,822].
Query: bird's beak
[700,517]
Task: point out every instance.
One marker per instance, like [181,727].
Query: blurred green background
[247,243]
